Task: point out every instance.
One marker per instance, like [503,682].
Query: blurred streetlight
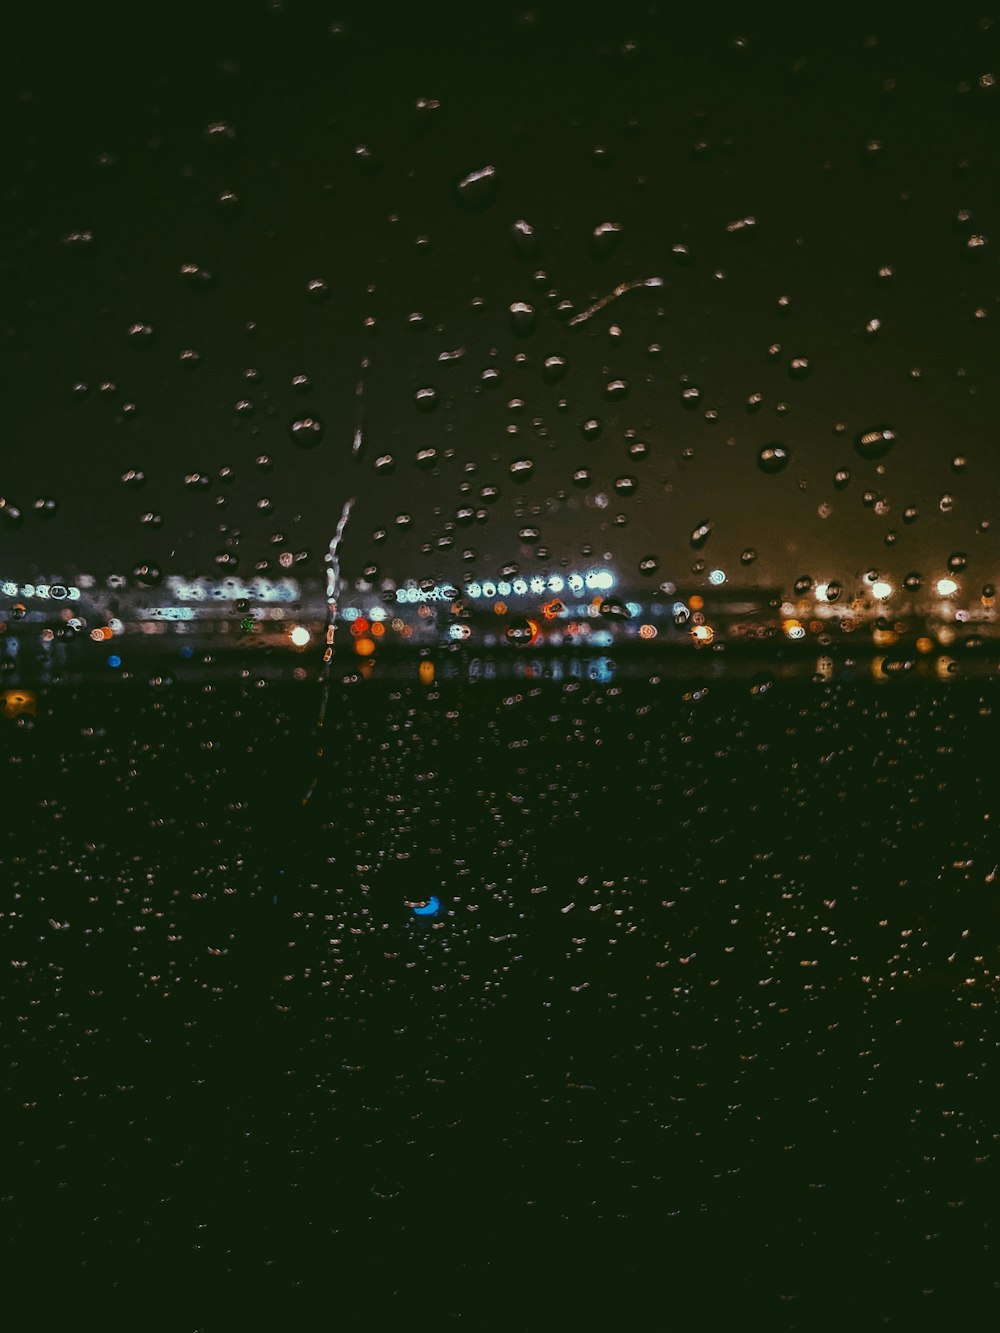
[881,590]
[299,635]
[946,587]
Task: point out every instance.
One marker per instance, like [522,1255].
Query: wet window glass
[498,663]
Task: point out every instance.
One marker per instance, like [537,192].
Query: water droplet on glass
[45,506]
[522,318]
[219,132]
[772,458]
[700,534]
[841,478]
[912,581]
[147,574]
[478,189]
[604,239]
[306,432]
[591,428]
[524,239]
[190,359]
[748,556]
[140,335]
[946,504]
[521,469]
[626,485]
[957,561]
[553,369]
[582,477]
[958,463]
[799,367]
[876,442]
[648,565]
[426,399]
[318,290]
[690,396]
[615,389]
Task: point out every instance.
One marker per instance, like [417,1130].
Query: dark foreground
[706,1025]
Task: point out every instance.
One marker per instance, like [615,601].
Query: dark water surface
[706,1024]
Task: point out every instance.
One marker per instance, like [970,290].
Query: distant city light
[946,587]
[299,635]
[881,590]
[717,576]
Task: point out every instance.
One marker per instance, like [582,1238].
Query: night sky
[268,146]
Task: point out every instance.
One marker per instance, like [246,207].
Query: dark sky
[855,143]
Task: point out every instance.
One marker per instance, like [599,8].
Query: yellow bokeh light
[364,647]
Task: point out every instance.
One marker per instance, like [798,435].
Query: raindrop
[615,389]
[946,504]
[841,478]
[524,239]
[875,443]
[582,478]
[638,449]
[592,427]
[626,485]
[190,359]
[306,432]
[913,581]
[140,335]
[553,369]
[748,556]
[426,399]
[803,585]
[957,561]
[134,478]
[604,239]
[522,318]
[219,132]
[45,506]
[799,367]
[151,520]
[426,458]
[147,574]
[690,396]
[477,190]
[772,458]
[615,609]
[700,534]
[521,469]
[264,462]
[529,535]
[318,290]
[648,565]
[958,463]
[301,383]
[196,277]
[833,591]
[385,464]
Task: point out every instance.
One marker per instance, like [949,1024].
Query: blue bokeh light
[430,908]
[114,660]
